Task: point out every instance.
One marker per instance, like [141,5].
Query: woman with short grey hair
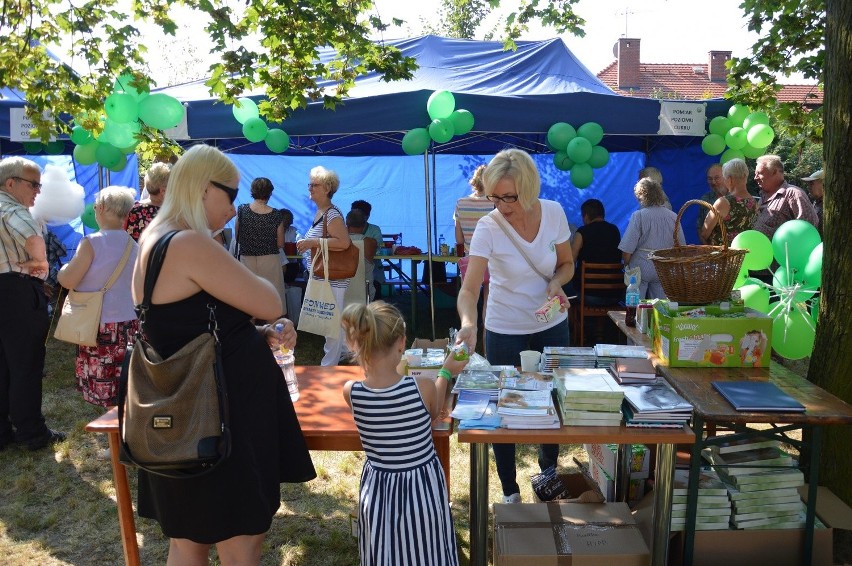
[738,208]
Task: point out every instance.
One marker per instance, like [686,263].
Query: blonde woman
[737,208]
[231,507]
[98,367]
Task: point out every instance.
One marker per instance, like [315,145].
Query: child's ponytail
[371,329]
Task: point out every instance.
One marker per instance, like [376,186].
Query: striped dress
[403,512]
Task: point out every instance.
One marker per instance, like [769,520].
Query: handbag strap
[152,272]
[118,268]
[502,224]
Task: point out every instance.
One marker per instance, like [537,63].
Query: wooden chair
[594,278]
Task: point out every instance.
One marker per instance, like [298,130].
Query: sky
[672,31]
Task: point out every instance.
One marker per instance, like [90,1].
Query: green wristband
[445,373]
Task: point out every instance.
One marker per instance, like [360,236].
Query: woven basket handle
[705,204]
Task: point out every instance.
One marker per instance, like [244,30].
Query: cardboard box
[575,534]
[428,367]
[779,547]
[441,344]
[719,339]
[607,456]
[579,486]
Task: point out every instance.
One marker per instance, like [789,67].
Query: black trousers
[24,324]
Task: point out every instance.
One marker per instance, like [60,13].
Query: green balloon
[599,158]
[737,114]
[783,282]
[441,130]
[245,109]
[812,274]
[754,119]
[33,147]
[793,242]
[713,144]
[755,297]
[277,140]
[88,217]
[55,147]
[793,335]
[562,161]
[122,84]
[441,104]
[559,134]
[719,126]
[255,130]
[741,278]
[760,135]
[729,154]
[80,135]
[581,174]
[416,141]
[129,149]
[579,150]
[462,122]
[85,154]
[759,248]
[592,131]
[736,138]
[121,107]
[753,152]
[161,111]
[108,155]
[120,134]
[120,164]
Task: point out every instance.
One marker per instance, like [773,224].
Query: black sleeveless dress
[241,496]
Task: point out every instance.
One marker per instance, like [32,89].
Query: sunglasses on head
[232,193]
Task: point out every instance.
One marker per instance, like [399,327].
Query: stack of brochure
[524,409]
[607,353]
[487,381]
[714,507]
[655,405]
[555,357]
[588,397]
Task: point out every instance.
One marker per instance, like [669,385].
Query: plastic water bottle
[286,361]
[443,249]
[631,300]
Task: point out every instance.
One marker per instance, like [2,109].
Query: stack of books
[655,405]
[588,397]
[607,353]
[629,371]
[763,495]
[524,409]
[714,507]
[527,381]
[478,380]
[554,357]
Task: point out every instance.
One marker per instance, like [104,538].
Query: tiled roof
[690,82]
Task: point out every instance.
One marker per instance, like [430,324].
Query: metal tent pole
[428,240]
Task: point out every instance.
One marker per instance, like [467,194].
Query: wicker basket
[698,275]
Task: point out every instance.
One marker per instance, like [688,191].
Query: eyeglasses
[312,185]
[505,198]
[232,193]
[35,186]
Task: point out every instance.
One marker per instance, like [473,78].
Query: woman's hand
[286,338]
[306,244]
[453,365]
[467,335]
[555,290]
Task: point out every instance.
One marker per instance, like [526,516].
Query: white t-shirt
[516,291]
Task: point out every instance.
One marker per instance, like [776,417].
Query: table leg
[414,297]
[478,504]
[813,484]
[622,472]
[662,517]
[126,522]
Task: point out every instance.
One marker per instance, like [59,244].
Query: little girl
[403,512]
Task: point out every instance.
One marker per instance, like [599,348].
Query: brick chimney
[718,73]
[628,63]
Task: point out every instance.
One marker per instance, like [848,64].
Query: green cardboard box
[734,337]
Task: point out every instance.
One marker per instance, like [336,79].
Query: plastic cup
[530,360]
[290,248]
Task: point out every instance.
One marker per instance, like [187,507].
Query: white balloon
[60,200]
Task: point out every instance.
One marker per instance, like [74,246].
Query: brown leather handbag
[342,264]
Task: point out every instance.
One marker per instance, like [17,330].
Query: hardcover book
[757,396]
[708,483]
[635,368]
[745,444]
[656,397]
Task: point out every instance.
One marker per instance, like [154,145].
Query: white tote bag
[320,313]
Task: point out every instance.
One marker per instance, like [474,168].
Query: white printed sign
[682,118]
[20,126]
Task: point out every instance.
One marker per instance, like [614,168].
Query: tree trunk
[831,363]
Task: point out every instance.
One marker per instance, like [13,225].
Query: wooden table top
[580,435]
[695,385]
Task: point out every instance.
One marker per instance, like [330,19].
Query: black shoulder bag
[173,413]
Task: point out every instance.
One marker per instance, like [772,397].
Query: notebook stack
[588,397]
[520,409]
[607,353]
[478,380]
[630,371]
[655,405]
[762,482]
[714,507]
[567,357]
